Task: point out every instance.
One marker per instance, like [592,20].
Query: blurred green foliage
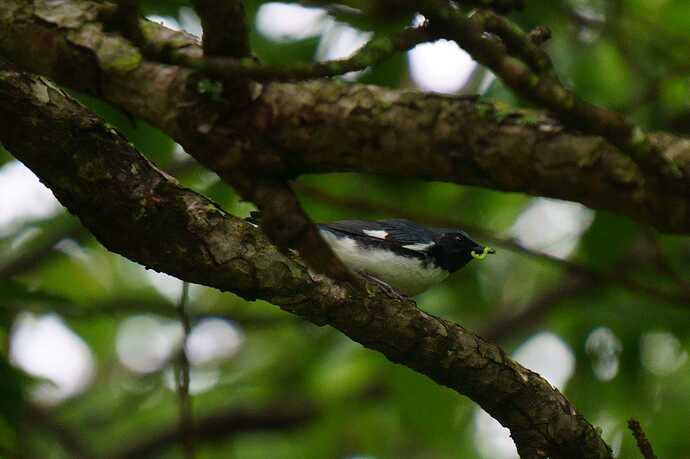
[630,55]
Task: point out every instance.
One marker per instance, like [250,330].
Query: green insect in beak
[483,254]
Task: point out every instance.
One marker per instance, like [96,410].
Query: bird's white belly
[409,275]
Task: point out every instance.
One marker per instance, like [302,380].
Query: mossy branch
[379,130]
[138,211]
[527,70]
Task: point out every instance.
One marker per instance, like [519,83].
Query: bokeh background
[595,303]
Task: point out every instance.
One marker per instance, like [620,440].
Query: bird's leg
[390,291]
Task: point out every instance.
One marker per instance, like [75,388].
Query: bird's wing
[400,233]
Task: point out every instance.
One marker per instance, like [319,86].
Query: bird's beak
[480,252]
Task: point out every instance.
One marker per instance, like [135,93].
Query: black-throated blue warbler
[402,254]
[399,253]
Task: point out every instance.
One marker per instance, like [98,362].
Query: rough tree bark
[138,211]
[288,129]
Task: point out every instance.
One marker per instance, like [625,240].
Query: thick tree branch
[286,223]
[226,34]
[468,142]
[283,219]
[289,128]
[138,211]
[540,84]
[42,248]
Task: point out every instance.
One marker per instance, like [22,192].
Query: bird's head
[454,249]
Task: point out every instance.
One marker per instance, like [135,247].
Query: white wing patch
[378,234]
[419,247]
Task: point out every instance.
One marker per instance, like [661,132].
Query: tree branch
[136,210]
[373,52]
[289,128]
[540,83]
[468,142]
[223,426]
[181,371]
[379,130]
[226,32]
[641,439]
[253,174]
[381,9]
[284,221]
[42,248]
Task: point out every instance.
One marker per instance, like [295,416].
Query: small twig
[539,35]
[381,10]
[375,51]
[641,439]
[518,43]
[181,369]
[516,59]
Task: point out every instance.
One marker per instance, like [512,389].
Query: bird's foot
[390,291]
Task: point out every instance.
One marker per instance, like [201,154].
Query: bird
[397,253]
[400,253]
